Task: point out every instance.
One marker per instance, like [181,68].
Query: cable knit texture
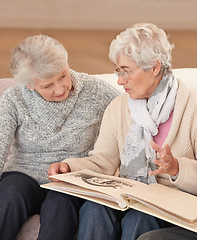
[42,132]
[182,136]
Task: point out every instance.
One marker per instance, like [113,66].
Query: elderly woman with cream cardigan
[149,132]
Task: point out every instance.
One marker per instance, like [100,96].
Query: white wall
[97,14]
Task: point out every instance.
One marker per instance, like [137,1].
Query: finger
[161,151]
[54,180]
[57,168]
[156,172]
[162,164]
[168,156]
[51,173]
[155,146]
[53,169]
[166,166]
[168,151]
[64,168]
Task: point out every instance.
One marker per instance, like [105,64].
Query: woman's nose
[121,80]
[59,89]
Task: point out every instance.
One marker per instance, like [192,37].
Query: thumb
[64,168]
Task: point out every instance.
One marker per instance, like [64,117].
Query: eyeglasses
[123,73]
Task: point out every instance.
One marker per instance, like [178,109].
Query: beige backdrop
[97,14]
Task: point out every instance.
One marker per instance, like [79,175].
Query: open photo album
[172,205]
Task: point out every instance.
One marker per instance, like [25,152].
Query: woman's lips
[59,96]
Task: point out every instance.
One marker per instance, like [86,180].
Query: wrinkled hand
[167,163]
[57,168]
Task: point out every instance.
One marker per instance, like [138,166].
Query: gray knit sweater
[40,132]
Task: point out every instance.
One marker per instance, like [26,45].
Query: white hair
[39,57]
[144,43]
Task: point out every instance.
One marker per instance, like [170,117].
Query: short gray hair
[144,43]
[38,56]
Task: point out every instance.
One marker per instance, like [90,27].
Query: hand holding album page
[158,200]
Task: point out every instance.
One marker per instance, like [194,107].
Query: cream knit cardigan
[182,137]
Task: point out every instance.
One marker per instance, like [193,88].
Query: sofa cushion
[5,83]
[188,76]
[30,229]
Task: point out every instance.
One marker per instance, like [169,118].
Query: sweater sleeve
[104,158]
[8,124]
[187,177]
[187,180]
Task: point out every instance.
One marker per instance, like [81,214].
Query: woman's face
[139,84]
[55,88]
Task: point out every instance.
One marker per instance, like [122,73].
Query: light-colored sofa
[30,229]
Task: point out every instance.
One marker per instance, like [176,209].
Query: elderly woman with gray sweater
[52,113]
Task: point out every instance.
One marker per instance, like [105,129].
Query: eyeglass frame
[123,73]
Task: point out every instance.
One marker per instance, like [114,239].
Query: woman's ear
[157,68]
